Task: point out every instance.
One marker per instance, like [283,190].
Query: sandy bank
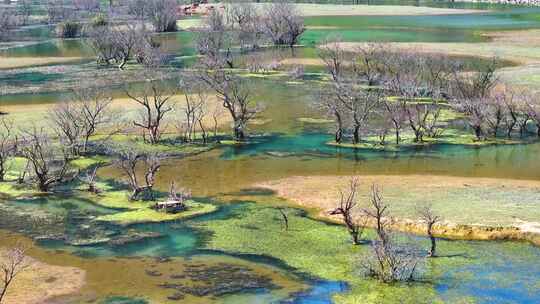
[308,9]
[472,208]
[41,282]
[21,62]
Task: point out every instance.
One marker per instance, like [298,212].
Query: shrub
[99,20]
[68,29]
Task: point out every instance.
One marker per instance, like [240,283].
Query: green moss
[144,214]
[448,137]
[311,247]
[86,162]
[314,120]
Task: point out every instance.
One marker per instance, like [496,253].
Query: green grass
[144,214]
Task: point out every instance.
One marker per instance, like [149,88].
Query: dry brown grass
[460,201]
[21,62]
[41,282]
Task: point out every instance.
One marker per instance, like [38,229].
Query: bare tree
[7,145]
[194,110]
[285,218]
[428,216]
[89,178]
[24,10]
[12,262]
[378,212]
[48,165]
[8,21]
[332,54]
[347,204]
[397,116]
[360,104]
[495,113]
[163,15]
[368,64]
[388,261]
[57,10]
[156,102]
[245,21]
[215,42]
[282,23]
[475,85]
[235,96]
[391,262]
[533,110]
[128,161]
[95,112]
[68,125]
[118,44]
[475,110]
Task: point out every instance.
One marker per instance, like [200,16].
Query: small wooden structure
[170,206]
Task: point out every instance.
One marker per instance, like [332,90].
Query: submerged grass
[314,248]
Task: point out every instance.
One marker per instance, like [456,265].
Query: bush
[99,20]
[68,29]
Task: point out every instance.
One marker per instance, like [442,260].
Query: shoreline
[487,211]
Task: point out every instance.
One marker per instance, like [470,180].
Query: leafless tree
[12,262]
[57,10]
[89,178]
[368,64]
[333,108]
[156,101]
[378,212]
[128,161]
[285,218]
[533,110]
[235,95]
[397,116]
[178,195]
[162,14]
[422,119]
[215,42]
[48,166]
[245,21]
[360,104]
[8,21]
[475,111]
[388,260]
[347,205]
[95,112]
[475,85]
[282,23]
[495,113]
[139,9]
[118,44]
[68,125]
[194,110]
[391,262]
[24,10]
[7,145]
[428,216]
[86,5]
[334,57]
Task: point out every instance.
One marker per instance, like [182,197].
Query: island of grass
[112,195]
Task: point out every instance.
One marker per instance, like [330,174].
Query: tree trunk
[356,134]
[478,132]
[238,133]
[397,136]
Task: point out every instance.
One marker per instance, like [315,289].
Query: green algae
[313,248]
[148,215]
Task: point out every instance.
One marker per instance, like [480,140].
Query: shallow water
[486,272]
